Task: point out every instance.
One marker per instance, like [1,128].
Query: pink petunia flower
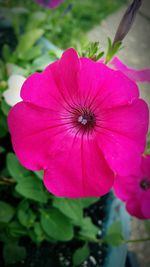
[80,122]
[135,190]
[49,3]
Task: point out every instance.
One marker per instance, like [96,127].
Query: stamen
[82,120]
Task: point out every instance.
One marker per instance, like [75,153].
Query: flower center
[86,119]
[83,119]
[145,184]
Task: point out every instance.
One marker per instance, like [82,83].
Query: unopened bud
[127,21]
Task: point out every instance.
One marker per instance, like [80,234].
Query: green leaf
[13,253]
[41,62]
[114,235]
[6,212]
[25,215]
[112,50]
[56,225]
[2,75]
[35,20]
[39,174]
[16,230]
[39,232]
[5,107]
[16,170]
[81,255]
[32,188]
[88,230]
[92,51]
[115,227]
[3,125]
[6,52]
[32,53]
[114,239]
[72,208]
[27,41]
[86,202]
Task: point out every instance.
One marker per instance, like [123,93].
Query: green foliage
[72,208]
[15,169]
[114,235]
[38,233]
[35,21]
[62,26]
[3,125]
[83,16]
[25,214]
[25,48]
[112,50]
[40,215]
[80,255]
[5,107]
[86,202]
[88,230]
[31,188]
[92,51]
[56,225]
[15,230]
[6,212]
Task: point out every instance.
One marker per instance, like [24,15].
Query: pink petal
[146,166]
[78,170]
[32,130]
[133,74]
[133,206]
[65,73]
[130,121]
[122,153]
[122,137]
[145,204]
[104,87]
[40,89]
[125,187]
[118,90]
[56,85]
[91,79]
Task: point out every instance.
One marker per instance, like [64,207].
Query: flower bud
[127,21]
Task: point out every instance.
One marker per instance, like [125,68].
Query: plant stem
[8,181]
[137,240]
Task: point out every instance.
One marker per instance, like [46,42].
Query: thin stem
[138,240]
[8,181]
